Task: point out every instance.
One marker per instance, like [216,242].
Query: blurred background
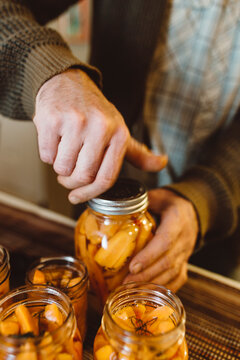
[21,171]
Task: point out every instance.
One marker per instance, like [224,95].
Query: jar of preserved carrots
[142,321]
[68,274]
[38,323]
[4,271]
[111,231]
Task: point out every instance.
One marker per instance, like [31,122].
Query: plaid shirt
[193,87]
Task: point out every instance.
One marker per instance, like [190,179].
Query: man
[172,70]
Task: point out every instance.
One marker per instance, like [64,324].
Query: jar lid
[126,196]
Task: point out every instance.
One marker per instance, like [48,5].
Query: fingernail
[73,199]
[135,269]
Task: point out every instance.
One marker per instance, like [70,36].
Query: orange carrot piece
[27,352]
[161,313]
[39,277]
[25,320]
[53,314]
[106,353]
[119,248]
[8,327]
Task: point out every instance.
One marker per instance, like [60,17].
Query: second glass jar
[111,231]
[67,274]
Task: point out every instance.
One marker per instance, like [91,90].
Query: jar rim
[126,196]
[124,290]
[62,261]
[6,341]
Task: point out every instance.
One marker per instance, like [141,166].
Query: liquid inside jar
[136,328]
[72,280]
[35,331]
[108,243]
[56,276]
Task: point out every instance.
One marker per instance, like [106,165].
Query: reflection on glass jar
[67,274]
[114,228]
[38,323]
[142,321]
[4,271]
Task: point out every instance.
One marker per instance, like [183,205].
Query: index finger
[106,176]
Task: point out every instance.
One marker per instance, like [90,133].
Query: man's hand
[164,260]
[84,137]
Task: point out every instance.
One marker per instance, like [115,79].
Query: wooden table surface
[212,302]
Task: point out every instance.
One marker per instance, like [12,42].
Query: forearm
[29,55]
[213,186]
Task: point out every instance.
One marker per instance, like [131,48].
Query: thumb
[141,157]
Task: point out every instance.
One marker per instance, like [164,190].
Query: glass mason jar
[4,271]
[110,232]
[68,274]
[38,323]
[142,321]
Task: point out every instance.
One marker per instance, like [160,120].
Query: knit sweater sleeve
[213,186]
[30,54]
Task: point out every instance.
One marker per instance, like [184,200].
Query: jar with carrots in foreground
[68,274]
[142,321]
[110,232]
[38,323]
[4,271]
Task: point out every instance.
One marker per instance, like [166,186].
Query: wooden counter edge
[27,206]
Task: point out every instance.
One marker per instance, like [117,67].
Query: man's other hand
[164,260]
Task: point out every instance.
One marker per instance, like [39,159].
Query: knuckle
[98,117]
[66,182]
[103,125]
[88,177]
[65,159]
[166,262]
[46,157]
[167,240]
[106,182]
[54,124]
[62,168]
[173,272]
[123,134]
[77,117]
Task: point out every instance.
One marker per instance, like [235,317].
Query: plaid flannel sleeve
[213,186]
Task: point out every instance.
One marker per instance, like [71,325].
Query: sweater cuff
[211,200]
[43,63]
